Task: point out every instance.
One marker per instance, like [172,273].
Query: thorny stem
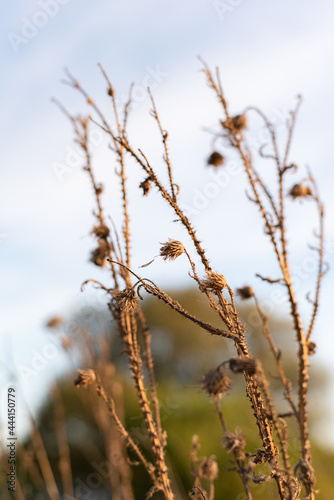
[126,326]
[164,136]
[126,436]
[283,262]
[256,385]
[277,355]
[150,366]
[63,445]
[321,272]
[120,152]
[240,468]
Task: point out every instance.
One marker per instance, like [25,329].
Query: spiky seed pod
[126,300]
[300,191]
[246,292]
[208,468]
[311,346]
[99,189]
[171,249]
[214,281]
[100,254]
[260,457]
[235,123]
[85,378]
[145,186]
[235,443]
[55,322]
[216,382]
[215,159]
[239,365]
[101,231]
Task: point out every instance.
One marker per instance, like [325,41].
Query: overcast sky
[268,52]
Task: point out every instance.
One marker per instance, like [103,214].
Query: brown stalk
[63,446]
[126,436]
[44,463]
[239,465]
[283,262]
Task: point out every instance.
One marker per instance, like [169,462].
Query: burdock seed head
[126,300]
[311,346]
[171,250]
[85,378]
[214,281]
[244,364]
[55,322]
[246,292]
[235,443]
[300,191]
[215,159]
[216,382]
[100,254]
[101,231]
[208,468]
[145,186]
[235,123]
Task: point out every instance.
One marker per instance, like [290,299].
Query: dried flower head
[235,123]
[260,456]
[215,159]
[311,346]
[300,191]
[214,281]
[145,185]
[65,342]
[111,91]
[246,292]
[55,322]
[99,189]
[235,443]
[208,468]
[239,365]
[126,300]
[100,254]
[101,231]
[216,382]
[85,378]
[171,250]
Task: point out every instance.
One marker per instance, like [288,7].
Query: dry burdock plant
[293,479]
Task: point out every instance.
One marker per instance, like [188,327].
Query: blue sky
[268,52]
